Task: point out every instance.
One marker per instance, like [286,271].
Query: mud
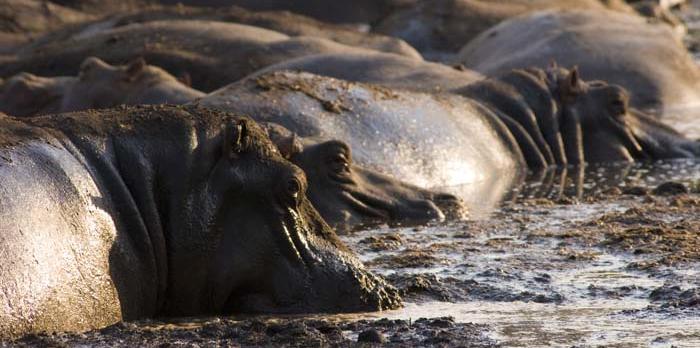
[606,256]
[275,332]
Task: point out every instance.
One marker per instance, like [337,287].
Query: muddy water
[539,272]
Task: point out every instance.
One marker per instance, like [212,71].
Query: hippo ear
[89,65]
[233,138]
[286,141]
[553,64]
[571,85]
[135,67]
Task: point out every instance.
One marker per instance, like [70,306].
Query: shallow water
[532,295]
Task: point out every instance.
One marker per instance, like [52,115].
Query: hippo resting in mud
[350,196]
[98,85]
[135,212]
[363,197]
[212,53]
[645,58]
[440,28]
[534,117]
[281,21]
[352,12]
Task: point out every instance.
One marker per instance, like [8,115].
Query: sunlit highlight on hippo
[350,196]
[135,212]
[524,118]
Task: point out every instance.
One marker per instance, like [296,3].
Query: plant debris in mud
[278,332]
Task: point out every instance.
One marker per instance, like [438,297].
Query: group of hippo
[168,160]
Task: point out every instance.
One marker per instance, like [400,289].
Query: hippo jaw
[351,197]
[315,274]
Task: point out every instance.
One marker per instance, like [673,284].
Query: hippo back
[618,48]
[212,53]
[383,69]
[428,140]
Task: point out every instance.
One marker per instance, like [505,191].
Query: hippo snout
[451,206]
[417,212]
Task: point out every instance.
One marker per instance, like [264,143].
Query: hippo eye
[618,106]
[339,162]
[293,188]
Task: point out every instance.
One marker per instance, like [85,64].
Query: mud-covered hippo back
[428,140]
[645,58]
[56,237]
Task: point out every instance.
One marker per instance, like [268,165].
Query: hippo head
[601,126]
[267,249]
[101,85]
[556,118]
[349,196]
[26,94]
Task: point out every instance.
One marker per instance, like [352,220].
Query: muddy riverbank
[604,256]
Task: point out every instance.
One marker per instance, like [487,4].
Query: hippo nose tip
[421,211]
[452,206]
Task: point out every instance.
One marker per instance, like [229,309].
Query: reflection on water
[592,302]
[573,182]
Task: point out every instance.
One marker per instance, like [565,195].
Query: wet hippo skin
[135,212]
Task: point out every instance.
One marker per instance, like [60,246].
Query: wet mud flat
[607,256]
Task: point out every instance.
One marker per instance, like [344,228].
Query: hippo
[348,12]
[98,85]
[645,58]
[439,28]
[350,196]
[284,22]
[212,53]
[30,17]
[363,198]
[388,70]
[525,118]
[134,212]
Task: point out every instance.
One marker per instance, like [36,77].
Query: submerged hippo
[98,85]
[351,12]
[532,117]
[134,212]
[439,28]
[350,196]
[281,21]
[212,53]
[645,58]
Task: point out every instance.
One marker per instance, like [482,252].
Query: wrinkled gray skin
[212,53]
[281,21]
[349,196]
[645,58]
[534,117]
[439,28]
[137,212]
[383,69]
[98,85]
